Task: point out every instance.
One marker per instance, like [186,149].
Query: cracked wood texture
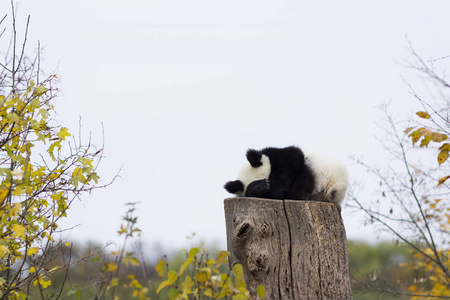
[296,249]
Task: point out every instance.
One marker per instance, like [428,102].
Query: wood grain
[296,249]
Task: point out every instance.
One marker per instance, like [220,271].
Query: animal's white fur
[248,174]
[330,175]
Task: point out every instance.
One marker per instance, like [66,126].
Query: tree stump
[296,249]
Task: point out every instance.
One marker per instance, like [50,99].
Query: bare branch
[19,63]
[444,57]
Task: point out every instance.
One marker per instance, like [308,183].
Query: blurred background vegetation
[367,263]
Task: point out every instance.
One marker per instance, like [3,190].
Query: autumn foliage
[36,187]
[200,277]
[412,197]
[433,262]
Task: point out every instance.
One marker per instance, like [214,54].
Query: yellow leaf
[415,136]
[131,260]
[261,291]
[3,194]
[114,282]
[208,293]
[111,266]
[120,232]
[17,209]
[76,172]
[187,284]
[412,288]
[209,262]
[185,264]
[171,277]
[57,196]
[44,283]
[53,269]
[160,267]
[39,90]
[442,157]
[193,252]
[445,147]
[238,273]
[63,133]
[18,190]
[32,251]
[162,285]
[134,261]
[221,256]
[18,231]
[135,284]
[201,276]
[426,140]
[442,180]
[425,132]
[142,294]
[438,137]
[423,115]
[3,250]
[441,288]
[32,269]
[407,130]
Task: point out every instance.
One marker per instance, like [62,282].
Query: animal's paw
[234,186]
[265,185]
[258,188]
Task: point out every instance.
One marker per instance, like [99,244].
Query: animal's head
[256,168]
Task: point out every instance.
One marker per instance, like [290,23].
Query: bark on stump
[296,249]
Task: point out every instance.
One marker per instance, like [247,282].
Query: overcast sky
[184,88]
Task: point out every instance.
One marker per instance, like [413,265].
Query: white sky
[183,88]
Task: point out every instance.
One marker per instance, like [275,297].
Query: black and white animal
[288,173]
